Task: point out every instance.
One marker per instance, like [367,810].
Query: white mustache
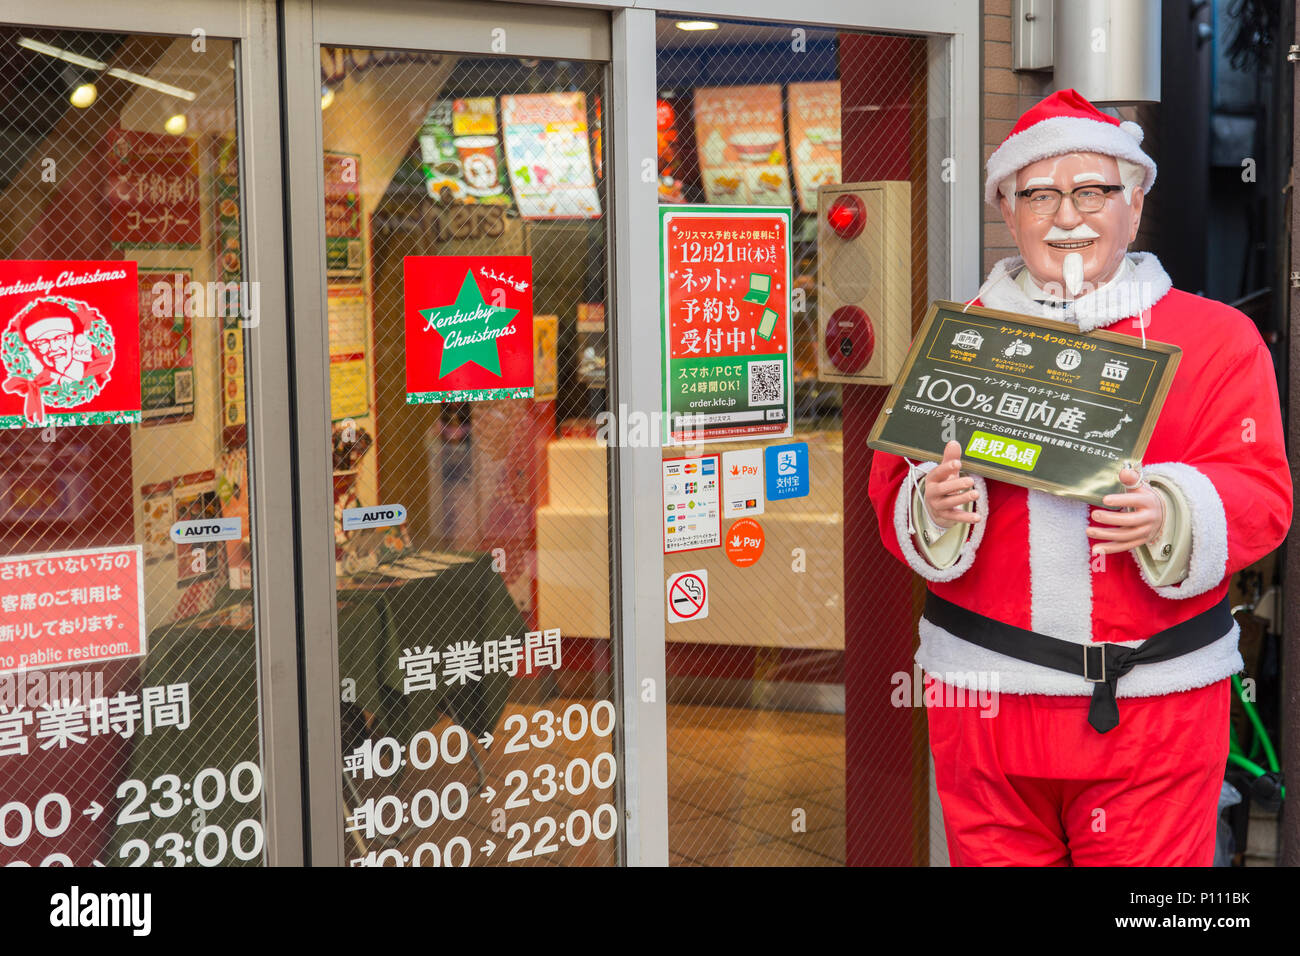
[1078,233]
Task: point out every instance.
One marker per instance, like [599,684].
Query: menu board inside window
[460,152]
[741,141]
[814,138]
[344,253]
[349,374]
[548,155]
[230,266]
[166,348]
[154,190]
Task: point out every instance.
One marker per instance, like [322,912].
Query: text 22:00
[578,828]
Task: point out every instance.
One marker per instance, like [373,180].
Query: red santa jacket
[1028,563]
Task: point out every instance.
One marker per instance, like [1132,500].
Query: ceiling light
[119,73]
[326,97]
[144,81]
[177,124]
[690,25]
[83,96]
[65,55]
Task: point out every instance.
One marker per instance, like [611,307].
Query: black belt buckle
[1101,654]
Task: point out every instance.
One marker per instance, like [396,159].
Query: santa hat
[48,317]
[1065,122]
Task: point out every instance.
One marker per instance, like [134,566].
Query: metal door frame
[252,24]
[462,27]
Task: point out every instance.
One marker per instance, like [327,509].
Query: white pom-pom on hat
[1133,129]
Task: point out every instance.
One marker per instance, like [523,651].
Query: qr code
[766,383]
[184,387]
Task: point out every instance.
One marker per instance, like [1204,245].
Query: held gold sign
[1032,401]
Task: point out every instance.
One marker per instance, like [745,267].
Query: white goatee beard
[1072,273]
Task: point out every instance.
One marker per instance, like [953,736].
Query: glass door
[789,627]
[136,726]
[462,224]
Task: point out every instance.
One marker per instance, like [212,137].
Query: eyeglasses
[1046,200]
[62,341]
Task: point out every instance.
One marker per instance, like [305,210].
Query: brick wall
[1007,93]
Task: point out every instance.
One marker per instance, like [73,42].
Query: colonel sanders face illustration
[60,344]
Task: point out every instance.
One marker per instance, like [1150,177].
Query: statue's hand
[1138,521]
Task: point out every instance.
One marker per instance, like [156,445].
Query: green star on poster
[469,328]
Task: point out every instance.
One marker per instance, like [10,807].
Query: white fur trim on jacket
[903,504]
[1146,285]
[1064,134]
[963,664]
[1209,557]
[1060,571]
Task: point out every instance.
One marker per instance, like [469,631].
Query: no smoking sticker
[688,596]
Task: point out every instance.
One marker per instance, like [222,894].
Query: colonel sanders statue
[1105,630]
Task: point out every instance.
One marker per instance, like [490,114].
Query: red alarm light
[847,215]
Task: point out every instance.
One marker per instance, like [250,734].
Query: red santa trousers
[1030,783]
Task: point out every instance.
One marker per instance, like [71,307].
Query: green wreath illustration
[18,359]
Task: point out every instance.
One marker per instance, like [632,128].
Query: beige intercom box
[864,281]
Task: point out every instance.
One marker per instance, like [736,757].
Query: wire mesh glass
[130,732]
[466,242]
[784,746]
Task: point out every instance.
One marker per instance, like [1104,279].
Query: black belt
[1100,663]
